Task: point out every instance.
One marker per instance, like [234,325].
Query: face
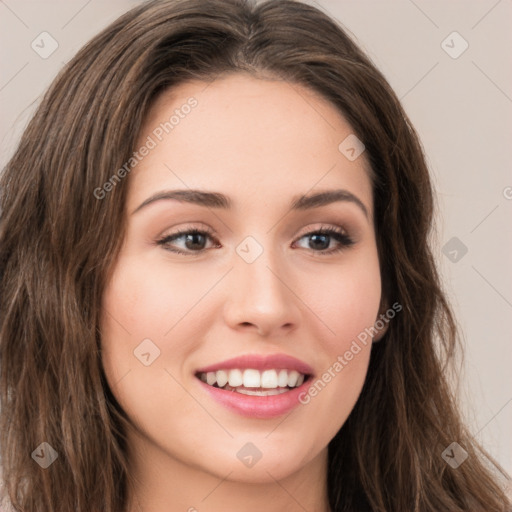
[256,285]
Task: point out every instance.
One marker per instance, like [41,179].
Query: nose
[261,297]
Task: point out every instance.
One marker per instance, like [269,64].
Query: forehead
[248,137]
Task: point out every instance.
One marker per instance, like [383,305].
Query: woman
[216,284]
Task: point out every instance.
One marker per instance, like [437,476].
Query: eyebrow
[218,200]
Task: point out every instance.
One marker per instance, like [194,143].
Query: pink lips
[275,361]
[263,407]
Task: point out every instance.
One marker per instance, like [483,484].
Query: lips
[257,362]
[257,386]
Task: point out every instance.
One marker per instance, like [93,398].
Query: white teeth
[292,378]
[222,378]
[269,379]
[235,378]
[282,379]
[251,378]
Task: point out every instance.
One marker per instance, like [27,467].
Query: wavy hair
[59,242]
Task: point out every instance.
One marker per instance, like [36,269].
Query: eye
[194,240]
[322,238]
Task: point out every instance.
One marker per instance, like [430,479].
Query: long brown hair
[59,241]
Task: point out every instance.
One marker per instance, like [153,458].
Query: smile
[257,386]
[254,382]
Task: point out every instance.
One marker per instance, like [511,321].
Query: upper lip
[260,362]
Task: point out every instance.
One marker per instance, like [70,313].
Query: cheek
[146,301]
[349,309]
[346,301]
[142,310]
[141,306]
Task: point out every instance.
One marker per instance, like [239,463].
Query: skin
[260,142]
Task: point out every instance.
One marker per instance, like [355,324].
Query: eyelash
[338,234]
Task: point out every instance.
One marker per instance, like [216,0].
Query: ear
[381,322]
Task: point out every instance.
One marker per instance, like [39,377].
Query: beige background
[460,106]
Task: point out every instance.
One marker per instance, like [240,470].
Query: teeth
[252,379]
[269,379]
[235,378]
[282,379]
[222,378]
[292,378]
[275,380]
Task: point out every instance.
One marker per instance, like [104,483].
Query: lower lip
[258,406]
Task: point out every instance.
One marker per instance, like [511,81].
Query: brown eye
[194,241]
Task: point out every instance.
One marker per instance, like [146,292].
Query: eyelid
[172,231]
[186,230]
[323,226]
